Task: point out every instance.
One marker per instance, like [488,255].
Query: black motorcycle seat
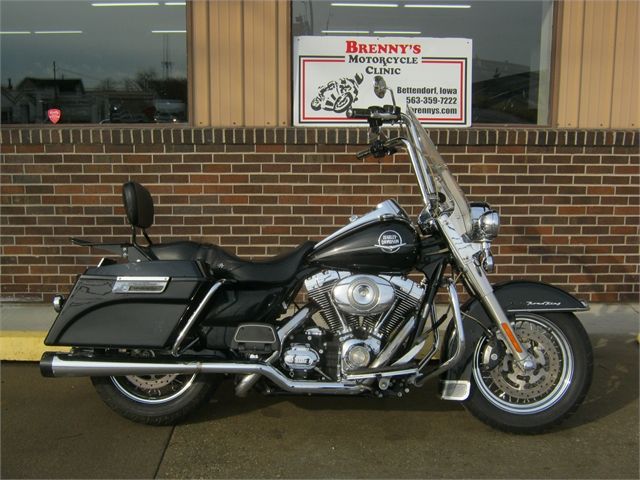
[222,264]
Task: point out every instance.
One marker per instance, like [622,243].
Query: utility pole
[166,62]
[55,83]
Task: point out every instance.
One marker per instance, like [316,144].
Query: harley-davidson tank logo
[390,241]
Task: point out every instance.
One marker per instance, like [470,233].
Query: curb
[24,346]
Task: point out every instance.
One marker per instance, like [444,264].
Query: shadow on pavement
[614,386]
[59,428]
[615,377]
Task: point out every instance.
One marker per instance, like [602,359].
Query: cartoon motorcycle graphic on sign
[338,95]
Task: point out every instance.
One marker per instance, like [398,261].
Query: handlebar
[379,149]
[363,154]
[377,116]
[358,113]
[387,113]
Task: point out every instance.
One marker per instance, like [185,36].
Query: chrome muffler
[65,365]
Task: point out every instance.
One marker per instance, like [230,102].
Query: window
[511,44]
[96,61]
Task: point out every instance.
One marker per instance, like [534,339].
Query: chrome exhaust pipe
[385,355]
[461,340]
[65,365]
[392,347]
[247,382]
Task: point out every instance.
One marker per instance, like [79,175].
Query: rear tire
[155,399]
[508,399]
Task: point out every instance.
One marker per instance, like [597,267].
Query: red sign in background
[54,115]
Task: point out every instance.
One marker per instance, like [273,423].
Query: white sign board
[333,74]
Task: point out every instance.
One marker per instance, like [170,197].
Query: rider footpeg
[457,390]
[255,338]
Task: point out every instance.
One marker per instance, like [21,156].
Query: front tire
[507,398]
[343,102]
[155,399]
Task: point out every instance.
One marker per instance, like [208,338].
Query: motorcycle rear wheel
[509,399]
[155,399]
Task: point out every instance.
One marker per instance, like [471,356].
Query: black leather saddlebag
[128,305]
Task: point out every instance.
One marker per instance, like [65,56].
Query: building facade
[238,174]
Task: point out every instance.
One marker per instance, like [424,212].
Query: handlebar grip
[358,113]
[363,154]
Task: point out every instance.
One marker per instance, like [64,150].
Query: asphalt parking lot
[59,428]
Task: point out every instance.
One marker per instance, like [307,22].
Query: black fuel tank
[381,246]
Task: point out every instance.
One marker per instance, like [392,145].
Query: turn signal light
[58,303]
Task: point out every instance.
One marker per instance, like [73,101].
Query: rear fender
[514,296]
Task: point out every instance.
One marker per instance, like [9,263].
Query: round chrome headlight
[488,225]
[486,222]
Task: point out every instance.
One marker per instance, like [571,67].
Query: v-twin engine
[361,312]
[373,305]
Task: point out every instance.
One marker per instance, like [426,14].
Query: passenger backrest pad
[138,204]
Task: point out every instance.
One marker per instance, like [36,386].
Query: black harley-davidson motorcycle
[159,328]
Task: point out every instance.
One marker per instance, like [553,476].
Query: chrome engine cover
[301,357]
[363,312]
[357,353]
[373,304]
[363,295]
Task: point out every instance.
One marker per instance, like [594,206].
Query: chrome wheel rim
[524,393]
[153,389]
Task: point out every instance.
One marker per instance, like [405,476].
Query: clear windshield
[454,198]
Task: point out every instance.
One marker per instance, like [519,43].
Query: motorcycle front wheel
[508,398]
[343,102]
[155,399]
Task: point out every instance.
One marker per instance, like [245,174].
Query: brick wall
[568,198]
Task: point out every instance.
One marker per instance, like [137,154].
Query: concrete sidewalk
[23,327]
[59,428]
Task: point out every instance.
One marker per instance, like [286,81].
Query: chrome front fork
[466,254]
[484,291]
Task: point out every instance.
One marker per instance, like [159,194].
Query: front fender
[514,296]
[527,296]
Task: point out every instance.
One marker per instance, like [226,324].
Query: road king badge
[390,241]
[54,115]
